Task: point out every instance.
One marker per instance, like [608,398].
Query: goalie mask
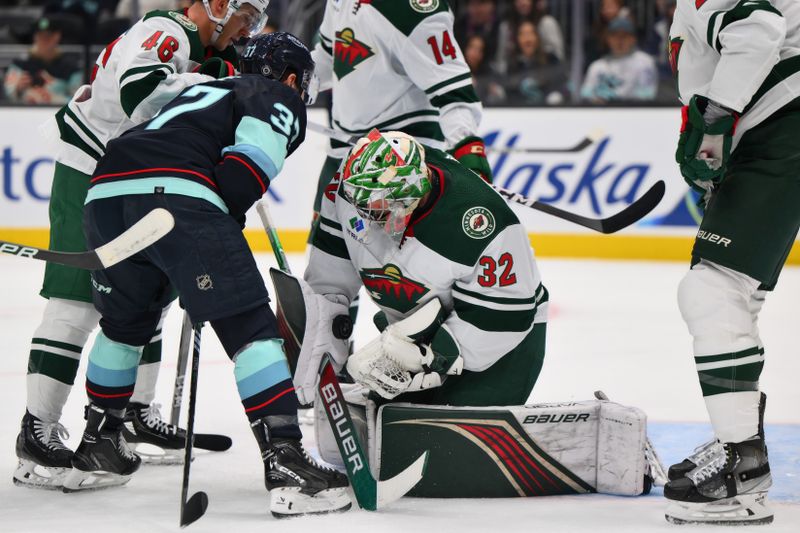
[276,55]
[256,18]
[385,178]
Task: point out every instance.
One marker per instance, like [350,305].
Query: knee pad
[719,306]
[67,321]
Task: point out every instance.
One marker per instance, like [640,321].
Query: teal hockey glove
[704,146]
[471,152]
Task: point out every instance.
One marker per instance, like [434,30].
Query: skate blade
[290,502]
[80,481]
[35,476]
[152,454]
[747,509]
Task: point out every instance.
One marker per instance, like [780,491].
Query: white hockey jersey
[468,249]
[134,76]
[743,54]
[395,65]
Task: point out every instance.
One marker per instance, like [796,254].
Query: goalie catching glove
[414,354]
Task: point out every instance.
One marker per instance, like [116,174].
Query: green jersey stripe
[70,136]
[779,73]
[330,223]
[85,129]
[330,244]
[147,68]
[450,81]
[492,320]
[133,93]
[497,299]
[462,94]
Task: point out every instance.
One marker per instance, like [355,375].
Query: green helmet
[385,177]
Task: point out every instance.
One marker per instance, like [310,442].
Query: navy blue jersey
[230,135]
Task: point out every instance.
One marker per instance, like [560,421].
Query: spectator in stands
[535,76]
[625,73]
[597,46]
[479,18]
[125,8]
[46,76]
[550,35]
[484,78]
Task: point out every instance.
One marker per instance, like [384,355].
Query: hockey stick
[631,214]
[196,506]
[204,441]
[145,232]
[371,494]
[581,145]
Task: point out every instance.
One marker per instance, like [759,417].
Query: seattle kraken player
[207,157]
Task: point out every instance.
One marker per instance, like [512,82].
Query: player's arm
[323,55]
[155,64]
[270,126]
[748,35]
[433,60]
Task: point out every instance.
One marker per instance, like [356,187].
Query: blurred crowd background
[521,52]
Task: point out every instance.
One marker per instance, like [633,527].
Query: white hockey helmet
[256,23]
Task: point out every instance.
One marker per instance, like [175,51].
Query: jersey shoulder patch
[197,50]
[468,215]
[406,15]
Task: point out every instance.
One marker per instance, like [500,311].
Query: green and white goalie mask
[385,178]
[254,13]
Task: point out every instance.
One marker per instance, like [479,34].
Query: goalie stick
[370,493]
[581,145]
[630,215]
[145,232]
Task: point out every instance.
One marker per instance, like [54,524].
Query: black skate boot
[705,452]
[730,488]
[157,441]
[103,458]
[44,460]
[297,485]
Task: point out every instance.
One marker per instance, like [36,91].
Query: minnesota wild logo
[389,287]
[348,53]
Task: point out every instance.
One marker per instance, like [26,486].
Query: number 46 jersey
[221,141]
[133,77]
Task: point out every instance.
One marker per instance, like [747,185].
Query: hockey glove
[704,146]
[471,152]
[216,67]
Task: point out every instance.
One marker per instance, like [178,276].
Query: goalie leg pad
[569,448]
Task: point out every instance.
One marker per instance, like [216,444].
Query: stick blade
[395,488]
[636,211]
[212,442]
[145,232]
[194,508]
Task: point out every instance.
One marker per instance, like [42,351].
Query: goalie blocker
[496,452]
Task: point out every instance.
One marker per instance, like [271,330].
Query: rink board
[597,182]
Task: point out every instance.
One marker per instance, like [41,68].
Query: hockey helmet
[276,55]
[385,178]
[255,23]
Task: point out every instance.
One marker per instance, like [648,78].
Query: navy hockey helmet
[276,55]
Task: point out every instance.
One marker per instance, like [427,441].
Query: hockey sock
[55,353]
[265,387]
[145,390]
[111,373]
[720,306]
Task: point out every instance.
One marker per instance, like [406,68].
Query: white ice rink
[614,326]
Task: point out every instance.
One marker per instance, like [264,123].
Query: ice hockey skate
[158,442]
[44,460]
[700,456]
[103,458]
[729,489]
[297,485]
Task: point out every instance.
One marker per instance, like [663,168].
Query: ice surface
[614,326]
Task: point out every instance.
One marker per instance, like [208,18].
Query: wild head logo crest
[389,287]
[348,53]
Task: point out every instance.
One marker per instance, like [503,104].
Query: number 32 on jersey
[497,272]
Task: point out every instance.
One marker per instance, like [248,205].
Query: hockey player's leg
[730,478]
[52,365]
[103,458]
[297,485]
